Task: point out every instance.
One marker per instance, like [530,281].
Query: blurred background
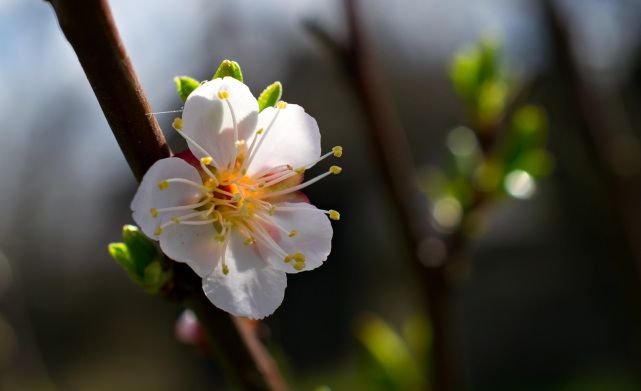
[549,300]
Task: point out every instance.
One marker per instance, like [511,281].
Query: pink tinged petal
[293,139]
[207,119]
[311,234]
[150,196]
[251,287]
[195,245]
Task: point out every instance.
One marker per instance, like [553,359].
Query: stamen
[335,170]
[298,187]
[181,207]
[249,241]
[334,215]
[278,179]
[272,171]
[293,233]
[281,105]
[158,231]
[177,123]
[165,184]
[177,219]
[337,151]
[252,151]
[267,240]
[204,162]
[278,226]
[199,222]
[153,212]
[225,269]
[235,124]
[195,144]
[223,94]
[298,258]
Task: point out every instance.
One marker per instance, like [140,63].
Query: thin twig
[90,28]
[396,165]
[597,130]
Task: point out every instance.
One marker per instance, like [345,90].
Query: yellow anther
[210,183]
[338,151]
[223,94]
[175,220]
[281,105]
[177,123]
[299,265]
[225,269]
[249,241]
[293,233]
[206,160]
[260,131]
[287,258]
[300,170]
[157,231]
[272,210]
[335,169]
[153,212]
[162,185]
[334,215]
[299,257]
[239,143]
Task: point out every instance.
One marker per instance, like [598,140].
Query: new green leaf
[229,68]
[270,96]
[185,85]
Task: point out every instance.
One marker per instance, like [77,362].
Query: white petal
[313,237]
[251,288]
[194,245]
[150,196]
[293,139]
[208,121]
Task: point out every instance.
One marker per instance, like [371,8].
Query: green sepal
[229,68]
[270,96]
[142,260]
[185,85]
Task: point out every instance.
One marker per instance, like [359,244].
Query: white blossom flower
[235,215]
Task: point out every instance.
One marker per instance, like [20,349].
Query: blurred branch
[600,135]
[91,31]
[395,162]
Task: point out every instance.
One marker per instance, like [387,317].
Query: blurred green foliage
[501,151]
[478,78]
[394,361]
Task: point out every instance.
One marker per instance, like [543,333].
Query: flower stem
[90,29]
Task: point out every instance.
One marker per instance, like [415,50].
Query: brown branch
[597,130]
[395,162]
[91,31]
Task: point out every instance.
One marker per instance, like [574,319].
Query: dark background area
[548,303]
